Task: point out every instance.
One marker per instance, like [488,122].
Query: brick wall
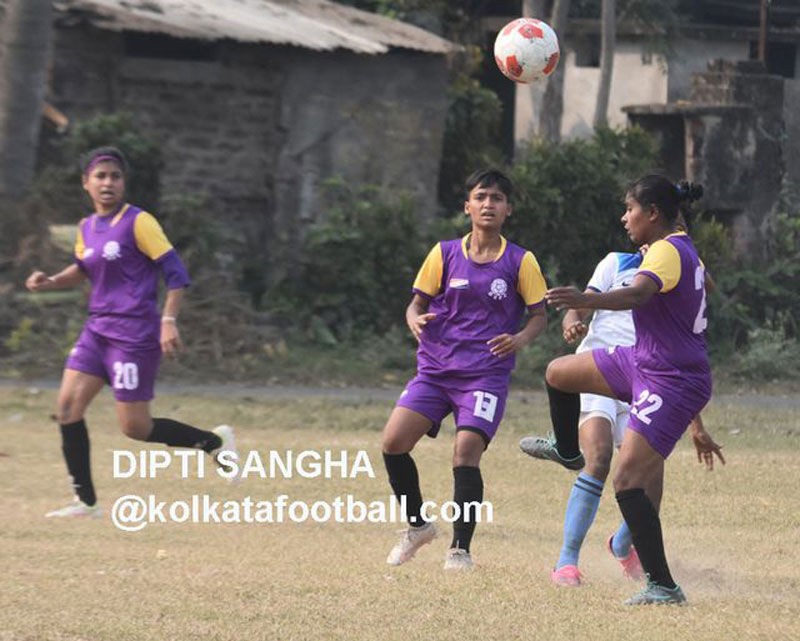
[259,128]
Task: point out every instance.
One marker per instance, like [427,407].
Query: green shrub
[357,266]
[753,294]
[472,131]
[568,201]
[769,356]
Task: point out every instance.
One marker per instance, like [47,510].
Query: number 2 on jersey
[700,321]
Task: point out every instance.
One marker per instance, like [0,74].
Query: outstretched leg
[566,378]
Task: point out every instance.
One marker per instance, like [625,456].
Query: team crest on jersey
[111,250]
[459,283]
[88,252]
[498,289]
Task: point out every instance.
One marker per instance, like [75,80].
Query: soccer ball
[526,49]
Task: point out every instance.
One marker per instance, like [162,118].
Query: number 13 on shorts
[485,405]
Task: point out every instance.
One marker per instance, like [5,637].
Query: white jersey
[609,327]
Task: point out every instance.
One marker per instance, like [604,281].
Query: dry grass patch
[732,537]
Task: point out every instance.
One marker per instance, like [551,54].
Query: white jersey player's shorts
[615,412]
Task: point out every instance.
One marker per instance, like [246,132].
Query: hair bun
[689,192]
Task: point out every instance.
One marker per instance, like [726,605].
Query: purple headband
[97,160]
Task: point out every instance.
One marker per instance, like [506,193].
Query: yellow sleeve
[532,285]
[150,238]
[429,278]
[664,262]
[79,245]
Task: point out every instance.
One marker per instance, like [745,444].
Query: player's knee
[598,461]
[598,469]
[554,375]
[65,411]
[625,478]
[136,429]
[468,453]
[394,444]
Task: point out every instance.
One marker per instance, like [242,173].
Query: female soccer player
[602,423]
[468,304]
[121,250]
[665,373]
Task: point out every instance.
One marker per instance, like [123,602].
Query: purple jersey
[123,254]
[670,328]
[473,303]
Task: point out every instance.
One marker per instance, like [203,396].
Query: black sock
[75,446]
[565,412]
[467,488]
[645,526]
[404,479]
[178,434]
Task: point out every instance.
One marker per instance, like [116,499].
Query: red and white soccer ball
[526,50]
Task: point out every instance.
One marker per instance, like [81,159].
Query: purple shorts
[661,405]
[477,404]
[130,371]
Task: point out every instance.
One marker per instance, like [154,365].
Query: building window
[781,57]
[587,51]
[151,45]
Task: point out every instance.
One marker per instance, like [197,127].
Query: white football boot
[225,432]
[413,539]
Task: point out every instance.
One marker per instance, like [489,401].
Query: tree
[25,43]
[607,48]
[553,101]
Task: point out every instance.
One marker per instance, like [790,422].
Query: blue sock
[622,541]
[581,510]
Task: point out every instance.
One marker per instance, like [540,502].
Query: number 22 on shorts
[643,411]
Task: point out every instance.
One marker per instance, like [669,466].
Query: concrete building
[640,76]
[721,119]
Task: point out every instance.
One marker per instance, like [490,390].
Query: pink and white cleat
[631,565]
[567,576]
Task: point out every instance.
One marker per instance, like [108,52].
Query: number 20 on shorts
[126,375]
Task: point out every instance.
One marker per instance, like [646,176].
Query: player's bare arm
[633,297]
[38,281]
[417,316]
[170,336]
[507,344]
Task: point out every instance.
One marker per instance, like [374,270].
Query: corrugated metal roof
[314,24]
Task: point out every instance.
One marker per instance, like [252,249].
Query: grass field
[733,539]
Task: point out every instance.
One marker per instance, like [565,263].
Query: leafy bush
[755,299]
[769,356]
[472,130]
[568,201]
[357,265]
